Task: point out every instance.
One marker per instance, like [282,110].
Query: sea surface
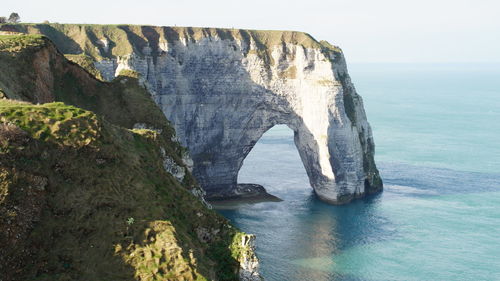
[437,134]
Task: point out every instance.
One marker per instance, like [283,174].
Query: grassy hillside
[32,69]
[85,197]
[82,199]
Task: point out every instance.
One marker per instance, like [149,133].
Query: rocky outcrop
[223,89]
[249,264]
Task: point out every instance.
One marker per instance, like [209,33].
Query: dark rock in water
[246,193]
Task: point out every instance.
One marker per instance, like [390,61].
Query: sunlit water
[437,132]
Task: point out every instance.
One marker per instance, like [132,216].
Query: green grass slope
[82,199]
[85,197]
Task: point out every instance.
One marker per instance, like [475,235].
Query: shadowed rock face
[223,89]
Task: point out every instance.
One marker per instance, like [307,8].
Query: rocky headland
[223,88]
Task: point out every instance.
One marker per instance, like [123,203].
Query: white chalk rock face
[223,89]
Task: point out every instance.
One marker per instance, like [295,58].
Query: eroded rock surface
[249,264]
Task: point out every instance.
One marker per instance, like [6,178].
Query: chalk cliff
[222,89]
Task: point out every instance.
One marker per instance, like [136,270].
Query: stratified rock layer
[223,89]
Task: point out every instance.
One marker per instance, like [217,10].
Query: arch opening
[274,167]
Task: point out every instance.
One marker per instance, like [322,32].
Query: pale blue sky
[367,30]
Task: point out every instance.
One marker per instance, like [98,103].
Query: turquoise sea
[437,134]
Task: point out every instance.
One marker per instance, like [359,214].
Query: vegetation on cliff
[83,195]
[32,69]
[101,42]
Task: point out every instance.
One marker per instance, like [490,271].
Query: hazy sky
[367,30]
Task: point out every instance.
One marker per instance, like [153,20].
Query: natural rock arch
[221,99]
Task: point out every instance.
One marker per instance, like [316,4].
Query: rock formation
[223,89]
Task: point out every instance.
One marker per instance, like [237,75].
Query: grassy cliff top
[52,122]
[124,39]
[17,43]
